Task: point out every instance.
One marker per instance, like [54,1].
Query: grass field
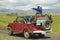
[4,20]
[56,23]
[7,37]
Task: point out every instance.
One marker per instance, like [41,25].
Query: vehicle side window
[19,19]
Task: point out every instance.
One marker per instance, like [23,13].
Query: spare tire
[46,25]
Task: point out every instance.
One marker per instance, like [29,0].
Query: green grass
[56,23]
[4,20]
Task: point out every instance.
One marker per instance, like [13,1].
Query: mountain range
[31,11]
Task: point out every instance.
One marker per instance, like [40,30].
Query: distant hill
[51,11]
[31,11]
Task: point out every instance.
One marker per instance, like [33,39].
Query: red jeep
[29,25]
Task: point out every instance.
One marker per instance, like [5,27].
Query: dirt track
[51,36]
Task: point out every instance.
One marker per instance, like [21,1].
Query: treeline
[12,14]
[17,14]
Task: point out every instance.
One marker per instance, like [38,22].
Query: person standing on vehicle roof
[38,9]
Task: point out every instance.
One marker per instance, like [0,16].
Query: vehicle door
[18,24]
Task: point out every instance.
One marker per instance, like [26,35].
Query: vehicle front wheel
[10,32]
[26,34]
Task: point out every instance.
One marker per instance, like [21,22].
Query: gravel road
[50,36]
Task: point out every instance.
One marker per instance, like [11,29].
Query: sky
[28,4]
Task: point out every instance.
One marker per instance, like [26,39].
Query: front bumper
[42,32]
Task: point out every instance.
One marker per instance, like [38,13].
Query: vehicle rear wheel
[26,34]
[41,35]
[10,32]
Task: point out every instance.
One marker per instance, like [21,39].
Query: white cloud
[29,7]
[45,7]
[57,4]
[44,1]
[28,4]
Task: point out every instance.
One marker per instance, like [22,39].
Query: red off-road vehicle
[30,25]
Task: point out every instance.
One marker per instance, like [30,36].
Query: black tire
[46,26]
[10,32]
[41,35]
[26,34]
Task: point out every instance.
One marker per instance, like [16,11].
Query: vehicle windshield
[27,18]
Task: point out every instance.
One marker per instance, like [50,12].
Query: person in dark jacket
[38,9]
